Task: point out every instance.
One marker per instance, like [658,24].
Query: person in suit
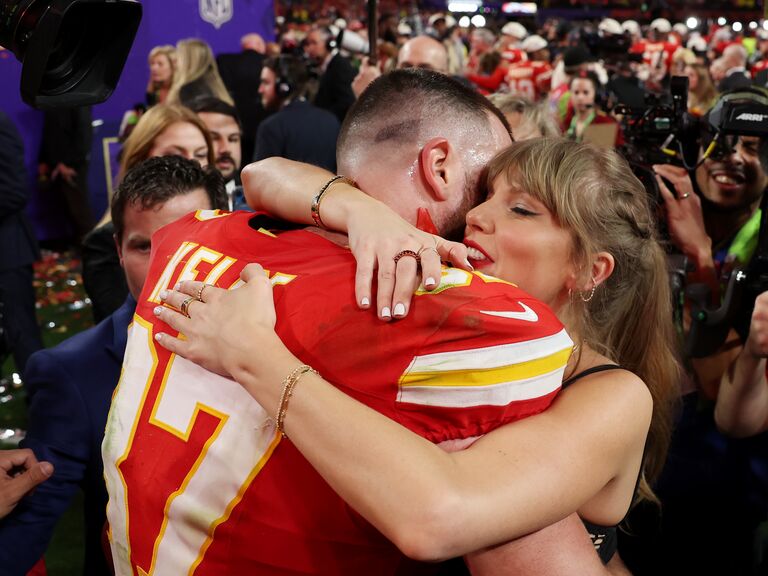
[334,92]
[18,250]
[64,158]
[71,385]
[298,130]
[241,73]
[735,64]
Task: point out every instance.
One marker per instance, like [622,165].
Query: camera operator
[713,488]
[717,230]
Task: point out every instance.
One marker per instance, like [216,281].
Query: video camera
[72,51]
[743,112]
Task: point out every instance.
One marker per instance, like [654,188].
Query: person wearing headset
[298,130]
[334,91]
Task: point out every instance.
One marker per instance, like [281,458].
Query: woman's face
[693,77]
[582,94]
[160,70]
[514,237]
[181,139]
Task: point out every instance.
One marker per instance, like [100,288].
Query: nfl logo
[217,12]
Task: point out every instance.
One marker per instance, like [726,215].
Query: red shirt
[531,79]
[200,481]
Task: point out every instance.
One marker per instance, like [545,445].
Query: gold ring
[411,253]
[184,308]
[684,196]
[425,248]
[200,293]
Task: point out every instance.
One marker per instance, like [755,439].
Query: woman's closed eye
[522,211]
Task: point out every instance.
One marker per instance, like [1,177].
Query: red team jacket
[198,478]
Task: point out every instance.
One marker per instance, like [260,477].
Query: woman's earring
[591,293]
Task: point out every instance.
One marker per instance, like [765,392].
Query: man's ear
[439,166]
[119,249]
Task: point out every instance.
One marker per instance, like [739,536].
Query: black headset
[283,79]
[331,44]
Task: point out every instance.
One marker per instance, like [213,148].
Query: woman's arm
[742,400]
[286,189]
[518,479]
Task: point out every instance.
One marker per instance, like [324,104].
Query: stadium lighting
[692,23]
[721,21]
[463,6]
[478,20]
[464,22]
[765,24]
[737,26]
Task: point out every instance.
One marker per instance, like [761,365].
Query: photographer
[713,488]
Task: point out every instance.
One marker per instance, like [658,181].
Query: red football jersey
[200,481]
[656,55]
[531,79]
[511,54]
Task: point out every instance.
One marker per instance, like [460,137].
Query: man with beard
[297,130]
[223,124]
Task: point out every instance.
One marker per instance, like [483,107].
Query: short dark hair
[214,105]
[397,104]
[289,70]
[156,180]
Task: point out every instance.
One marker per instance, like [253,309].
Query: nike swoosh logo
[527,315]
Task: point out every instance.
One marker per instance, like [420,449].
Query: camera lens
[18,20]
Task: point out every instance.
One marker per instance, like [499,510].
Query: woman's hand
[222,328]
[376,237]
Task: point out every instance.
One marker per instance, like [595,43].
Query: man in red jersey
[199,480]
[531,78]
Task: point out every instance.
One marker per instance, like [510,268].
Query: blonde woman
[702,94]
[165,130]
[526,119]
[161,69]
[196,74]
[559,217]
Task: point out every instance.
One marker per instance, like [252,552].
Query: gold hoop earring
[591,293]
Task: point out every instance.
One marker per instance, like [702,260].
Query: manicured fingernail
[365,302]
[158,337]
[177,287]
[469,265]
[158,310]
[429,282]
[385,313]
[399,309]
[163,294]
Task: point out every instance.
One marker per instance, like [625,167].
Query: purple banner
[221,23]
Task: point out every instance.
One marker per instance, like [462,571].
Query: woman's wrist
[341,202]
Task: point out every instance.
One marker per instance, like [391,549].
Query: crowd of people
[407,316]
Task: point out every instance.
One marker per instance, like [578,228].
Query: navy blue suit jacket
[301,132]
[70,390]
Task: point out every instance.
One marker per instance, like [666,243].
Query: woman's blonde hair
[151,124]
[704,96]
[537,113]
[169,52]
[195,61]
[593,194]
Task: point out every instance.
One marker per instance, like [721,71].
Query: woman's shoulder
[603,378]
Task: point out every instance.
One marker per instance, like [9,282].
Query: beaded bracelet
[315,208]
[288,385]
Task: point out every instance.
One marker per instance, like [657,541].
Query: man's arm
[742,401]
[562,549]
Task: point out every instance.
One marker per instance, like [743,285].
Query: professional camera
[743,112]
[73,51]
[660,132]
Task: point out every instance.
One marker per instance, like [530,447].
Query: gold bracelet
[315,208]
[288,385]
